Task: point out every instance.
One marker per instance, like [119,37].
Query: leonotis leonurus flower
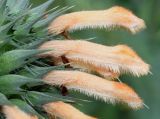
[108,61]
[29,81]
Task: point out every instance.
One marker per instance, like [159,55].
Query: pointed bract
[99,88]
[64,111]
[110,18]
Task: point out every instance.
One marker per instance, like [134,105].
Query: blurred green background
[145,43]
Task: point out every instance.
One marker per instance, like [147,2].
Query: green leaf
[46,20]
[4,39]
[4,100]
[11,84]
[16,6]
[40,98]
[37,11]
[50,17]
[39,72]
[32,44]
[24,29]
[2,11]
[5,28]
[14,59]
[25,107]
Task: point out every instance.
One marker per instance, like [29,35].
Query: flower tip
[128,20]
[130,97]
[136,66]
[138,27]
[137,104]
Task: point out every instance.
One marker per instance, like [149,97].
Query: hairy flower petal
[64,111]
[13,112]
[105,60]
[91,85]
[110,18]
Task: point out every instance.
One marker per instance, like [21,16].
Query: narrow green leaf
[4,39]
[11,84]
[24,29]
[4,100]
[37,11]
[5,28]
[39,72]
[47,20]
[40,98]
[2,11]
[16,6]
[14,59]
[32,45]
[50,17]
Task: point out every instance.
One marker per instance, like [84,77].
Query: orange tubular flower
[108,61]
[64,111]
[15,113]
[110,18]
[91,85]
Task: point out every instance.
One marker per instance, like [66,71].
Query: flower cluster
[108,61]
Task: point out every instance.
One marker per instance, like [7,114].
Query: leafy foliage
[22,29]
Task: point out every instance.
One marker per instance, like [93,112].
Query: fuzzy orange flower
[91,85]
[13,112]
[110,18]
[64,111]
[108,61]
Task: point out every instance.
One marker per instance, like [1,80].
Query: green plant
[33,76]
